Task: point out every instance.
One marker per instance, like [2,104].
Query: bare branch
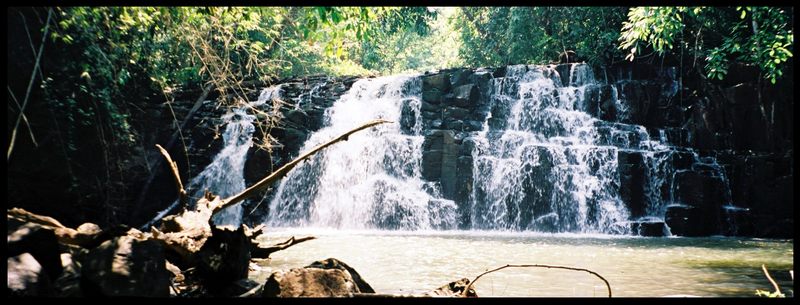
[259,252]
[24,117]
[774,284]
[30,85]
[184,198]
[278,174]
[469,286]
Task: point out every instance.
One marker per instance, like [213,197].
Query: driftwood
[222,254]
[468,289]
[87,235]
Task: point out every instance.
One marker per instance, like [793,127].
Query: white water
[373,179]
[547,170]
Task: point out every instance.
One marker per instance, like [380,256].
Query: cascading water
[373,179]
[224,176]
[545,168]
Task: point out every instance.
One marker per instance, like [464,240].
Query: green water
[409,262]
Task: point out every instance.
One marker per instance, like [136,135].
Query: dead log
[88,235]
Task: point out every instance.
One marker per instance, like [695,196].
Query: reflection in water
[408,262]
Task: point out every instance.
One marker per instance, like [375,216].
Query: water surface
[410,262]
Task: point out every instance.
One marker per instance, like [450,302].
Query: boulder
[125,266]
[26,277]
[39,242]
[332,263]
[309,282]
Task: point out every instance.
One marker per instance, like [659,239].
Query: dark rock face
[685,221]
[631,169]
[125,266]
[649,228]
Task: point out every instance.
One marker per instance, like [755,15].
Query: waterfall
[373,179]
[548,167]
[553,154]
[224,176]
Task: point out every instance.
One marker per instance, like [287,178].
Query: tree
[757,36]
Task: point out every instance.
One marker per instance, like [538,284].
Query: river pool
[412,262]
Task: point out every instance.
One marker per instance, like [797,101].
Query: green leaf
[744,14]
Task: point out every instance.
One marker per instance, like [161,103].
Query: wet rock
[428,107]
[632,177]
[685,221]
[460,77]
[125,266]
[296,117]
[408,116]
[332,263]
[466,96]
[649,228]
[433,96]
[439,81]
[309,282]
[39,242]
[564,71]
[456,113]
[455,125]
[26,277]
[737,221]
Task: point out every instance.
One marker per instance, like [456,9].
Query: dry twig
[469,286]
[184,197]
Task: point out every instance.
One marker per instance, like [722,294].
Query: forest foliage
[98,66]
